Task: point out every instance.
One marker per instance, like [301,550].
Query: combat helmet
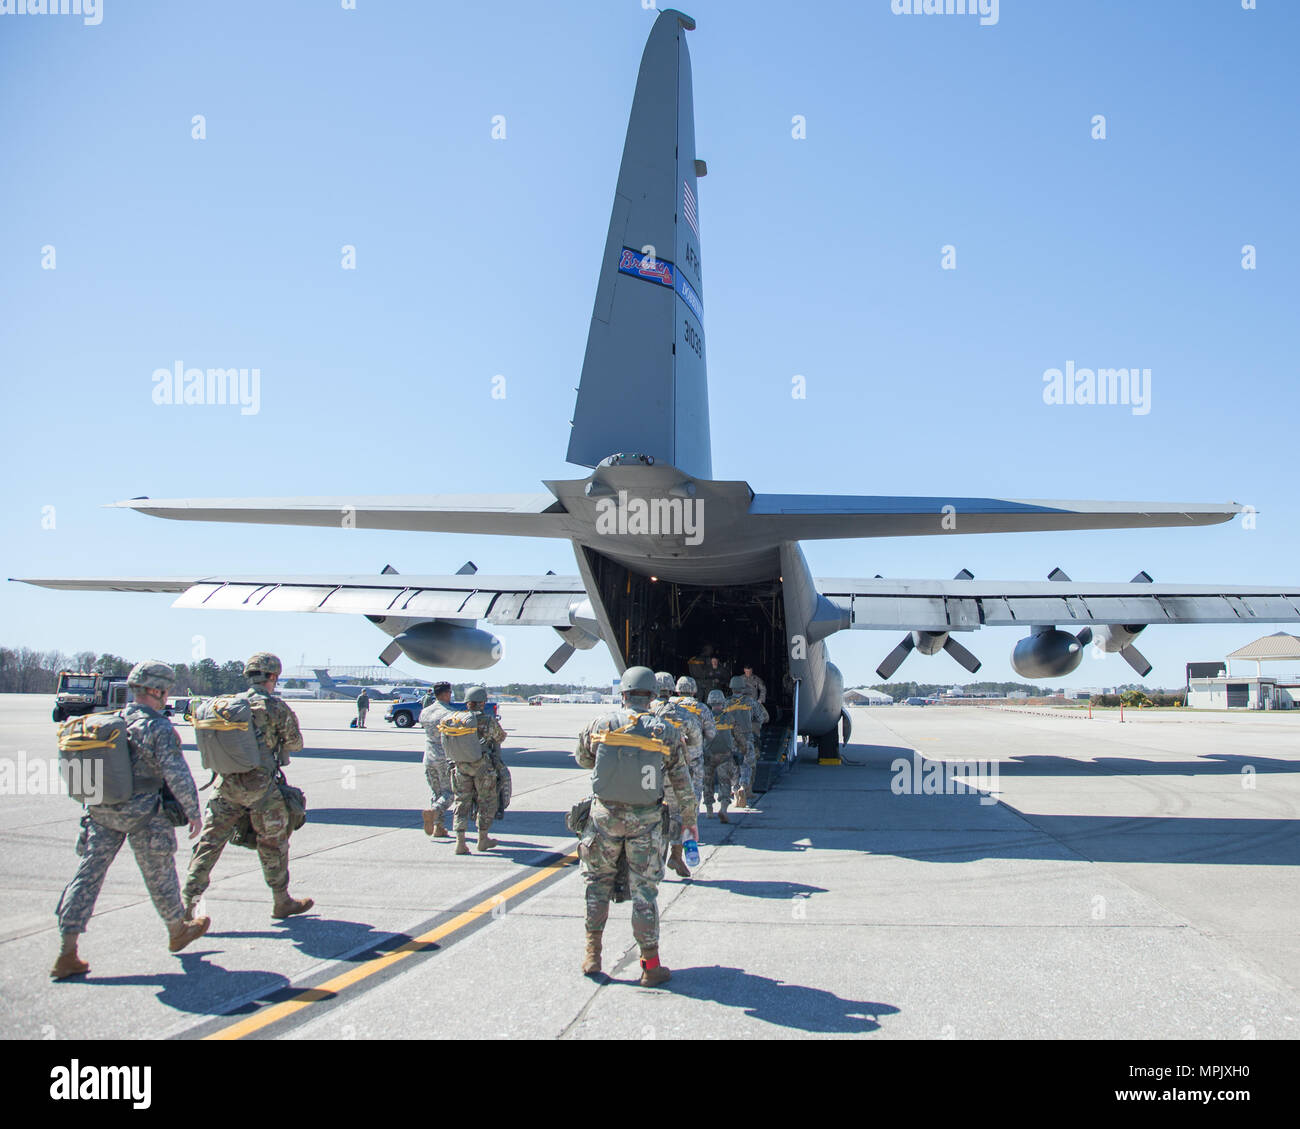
[686,685]
[739,685]
[638,680]
[663,683]
[476,694]
[151,675]
[716,698]
[262,666]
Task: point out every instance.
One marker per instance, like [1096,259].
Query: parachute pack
[723,745]
[630,761]
[95,760]
[740,714]
[223,728]
[460,737]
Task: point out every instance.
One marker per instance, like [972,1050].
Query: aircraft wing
[964,605]
[517,515]
[810,517]
[543,601]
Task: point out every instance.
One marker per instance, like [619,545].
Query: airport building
[1224,690]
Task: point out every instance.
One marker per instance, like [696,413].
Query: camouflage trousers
[748,749]
[153,841]
[634,831]
[361,718]
[257,794]
[720,780]
[475,782]
[438,773]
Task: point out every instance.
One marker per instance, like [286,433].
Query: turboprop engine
[454,645]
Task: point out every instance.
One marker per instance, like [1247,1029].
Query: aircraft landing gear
[828,747]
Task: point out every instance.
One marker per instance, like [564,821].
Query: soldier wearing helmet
[477,782]
[696,721]
[747,717]
[157,769]
[255,793]
[720,764]
[634,754]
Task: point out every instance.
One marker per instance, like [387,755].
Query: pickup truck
[406,714]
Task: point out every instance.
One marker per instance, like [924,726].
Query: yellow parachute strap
[73,737]
[622,737]
[456,730]
[736,706]
[725,725]
[81,744]
[693,706]
[221,725]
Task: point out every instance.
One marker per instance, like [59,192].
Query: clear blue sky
[478,257]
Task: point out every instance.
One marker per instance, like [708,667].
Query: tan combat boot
[68,962]
[191,904]
[430,818]
[591,960]
[741,797]
[462,848]
[440,828]
[652,972]
[183,932]
[722,816]
[286,906]
[676,863]
[484,843]
[708,810]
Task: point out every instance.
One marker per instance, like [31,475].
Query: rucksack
[630,760]
[739,712]
[223,729]
[95,760]
[460,737]
[721,746]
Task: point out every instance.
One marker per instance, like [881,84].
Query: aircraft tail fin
[323,679]
[644,388]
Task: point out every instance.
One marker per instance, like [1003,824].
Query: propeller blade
[389,654]
[1136,659]
[561,656]
[963,656]
[1085,636]
[895,658]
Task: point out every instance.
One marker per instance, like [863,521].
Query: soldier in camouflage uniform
[746,741]
[755,686]
[696,722]
[719,760]
[363,706]
[476,783]
[256,793]
[620,829]
[437,770]
[156,760]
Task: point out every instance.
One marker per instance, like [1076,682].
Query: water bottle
[692,851]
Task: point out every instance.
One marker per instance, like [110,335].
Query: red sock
[653,962]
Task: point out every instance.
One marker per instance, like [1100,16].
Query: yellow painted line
[331,988]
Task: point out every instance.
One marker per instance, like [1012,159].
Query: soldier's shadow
[203,988]
[756,889]
[779,1003]
[324,938]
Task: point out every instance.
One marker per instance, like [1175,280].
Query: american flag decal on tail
[688,208]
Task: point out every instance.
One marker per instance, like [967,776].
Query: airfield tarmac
[1133,880]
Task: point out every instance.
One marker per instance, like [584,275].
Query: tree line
[24,670]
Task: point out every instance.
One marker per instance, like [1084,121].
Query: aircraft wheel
[828,745]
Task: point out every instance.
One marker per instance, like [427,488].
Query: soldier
[719,759]
[436,769]
[748,718]
[257,793]
[156,761]
[756,686]
[632,752]
[475,781]
[696,722]
[363,705]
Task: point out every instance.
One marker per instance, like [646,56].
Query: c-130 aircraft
[670,559]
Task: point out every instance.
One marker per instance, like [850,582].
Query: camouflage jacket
[758,714]
[490,732]
[433,713]
[757,687]
[275,724]
[155,753]
[672,733]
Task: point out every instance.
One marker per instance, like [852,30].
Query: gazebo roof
[1279,645]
